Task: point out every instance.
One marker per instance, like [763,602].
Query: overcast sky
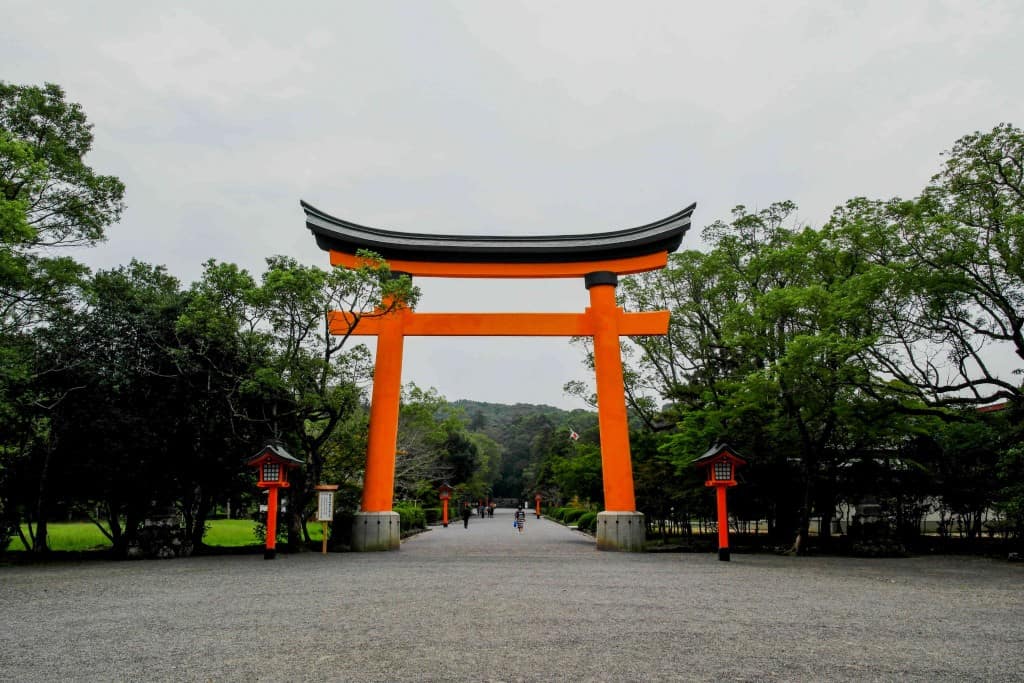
[504,118]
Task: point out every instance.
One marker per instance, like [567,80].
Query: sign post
[325,508]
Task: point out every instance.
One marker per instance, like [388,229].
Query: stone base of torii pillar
[376,531]
[621,531]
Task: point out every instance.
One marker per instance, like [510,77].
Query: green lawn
[69,536]
[223,533]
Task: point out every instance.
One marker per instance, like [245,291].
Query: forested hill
[485,416]
[527,434]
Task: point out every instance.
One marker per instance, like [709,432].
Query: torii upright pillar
[377,526]
[598,258]
[620,526]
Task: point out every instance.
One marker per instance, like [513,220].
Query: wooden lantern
[272,464]
[444,492]
[720,463]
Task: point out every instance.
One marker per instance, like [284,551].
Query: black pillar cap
[601,277]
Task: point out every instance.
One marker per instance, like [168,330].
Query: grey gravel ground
[486,604]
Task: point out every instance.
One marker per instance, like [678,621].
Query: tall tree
[116,438]
[302,384]
[766,350]
[49,198]
[425,422]
[957,321]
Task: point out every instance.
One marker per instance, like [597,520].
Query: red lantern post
[537,499]
[272,464]
[445,494]
[721,462]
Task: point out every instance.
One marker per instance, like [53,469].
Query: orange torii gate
[598,258]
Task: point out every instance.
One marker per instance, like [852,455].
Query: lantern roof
[445,486]
[276,452]
[722,451]
[337,234]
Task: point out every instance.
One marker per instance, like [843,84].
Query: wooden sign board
[325,507]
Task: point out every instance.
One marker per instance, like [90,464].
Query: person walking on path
[520,520]
[467,512]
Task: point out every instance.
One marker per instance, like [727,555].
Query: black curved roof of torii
[340,235]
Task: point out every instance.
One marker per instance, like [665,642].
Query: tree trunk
[298,535]
[802,540]
[40,542]
[196,521]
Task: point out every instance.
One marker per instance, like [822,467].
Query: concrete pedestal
[621,531]
[376,531]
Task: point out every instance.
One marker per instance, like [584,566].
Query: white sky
[504,118]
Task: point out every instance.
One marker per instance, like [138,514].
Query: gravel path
[486,604]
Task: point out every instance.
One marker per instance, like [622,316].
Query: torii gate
[598,258]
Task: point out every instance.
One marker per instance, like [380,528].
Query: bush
[572,514]
[411,517]
[433,515]
[558,513]
[587,522]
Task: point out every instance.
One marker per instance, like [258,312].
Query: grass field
[222,533]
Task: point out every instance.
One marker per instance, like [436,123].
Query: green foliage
[220,533]
[234,533]
[578,472]
[572,514]
[49,198]
[785,342]
[70,537]
[294,380]
[955,257]
[530,439]
[412,517]
[434,447]
[587,522]
[1011,495]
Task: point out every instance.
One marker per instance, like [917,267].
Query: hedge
[587,522]
[411,517]
[559,513]
[572,515]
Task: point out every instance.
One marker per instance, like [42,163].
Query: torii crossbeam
[598,258]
